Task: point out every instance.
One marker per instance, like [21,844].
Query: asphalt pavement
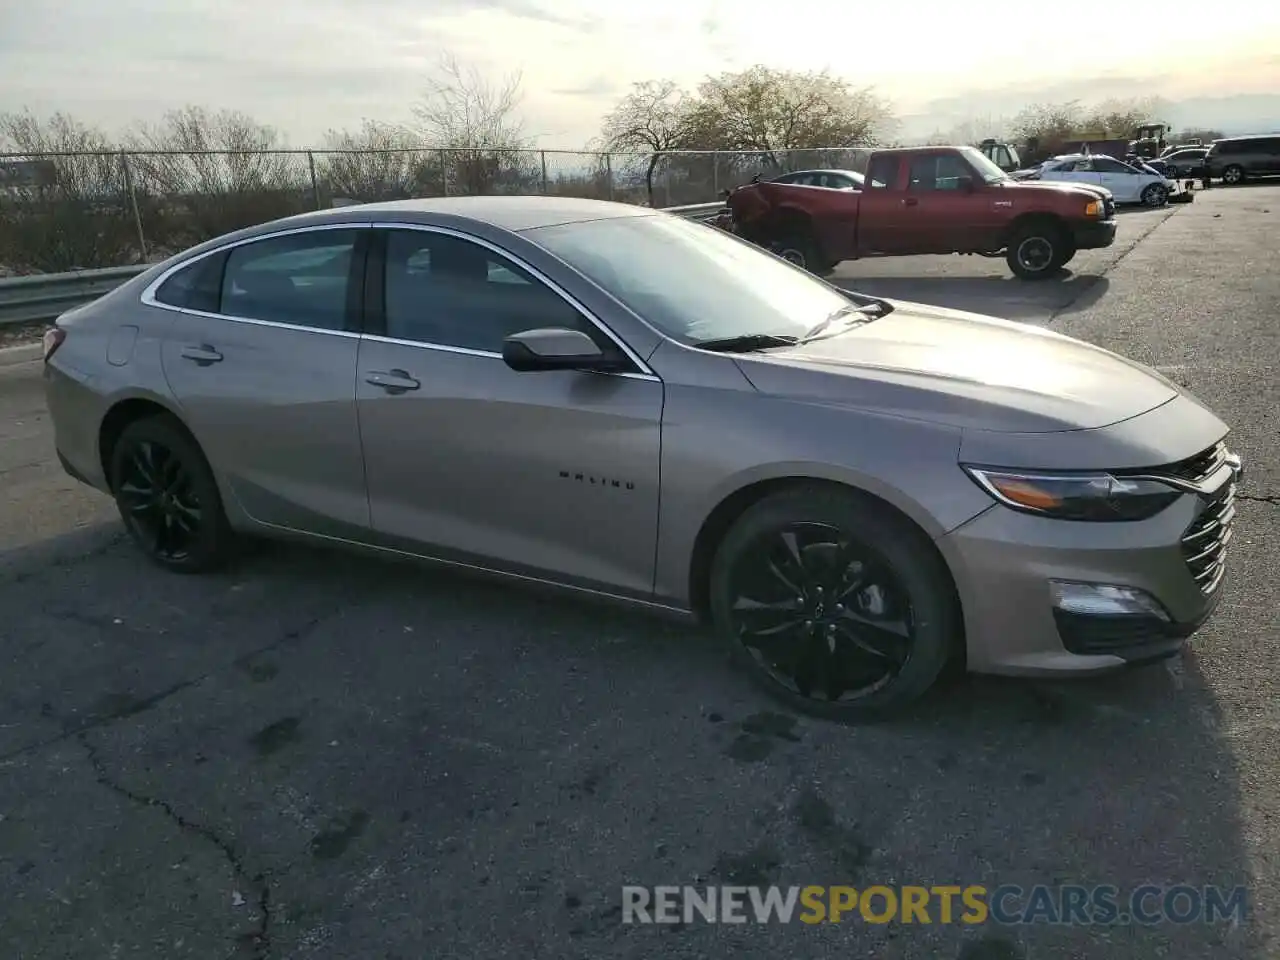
[316,755]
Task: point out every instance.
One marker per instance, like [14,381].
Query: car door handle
[392,381]
[203,354]
[910,201]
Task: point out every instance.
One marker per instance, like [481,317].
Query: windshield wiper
[747,343]
[865,312]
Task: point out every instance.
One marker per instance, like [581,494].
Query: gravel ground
[320,756]
[20,334]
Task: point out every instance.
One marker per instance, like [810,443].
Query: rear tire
[1038,251]
[866,615]
[801,249]
[168,498]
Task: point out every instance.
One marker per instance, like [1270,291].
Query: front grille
[1204,545]
[1108,208]
[1200,467]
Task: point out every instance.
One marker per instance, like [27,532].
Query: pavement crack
[1273,499]
[254,944]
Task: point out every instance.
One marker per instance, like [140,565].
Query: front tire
[168,498]
[1037,252]
[833,605]
[1155,195]
[1233,175]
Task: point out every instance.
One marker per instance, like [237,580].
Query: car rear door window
[300,279]
[1108,165]
[447,291]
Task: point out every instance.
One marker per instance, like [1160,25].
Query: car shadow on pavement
[382,757]
[997,296]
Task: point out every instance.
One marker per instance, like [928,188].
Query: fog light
[1104,600]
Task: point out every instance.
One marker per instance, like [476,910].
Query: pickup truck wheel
[1038,251]
[800,250]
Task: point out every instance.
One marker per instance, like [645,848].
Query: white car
[1128,184]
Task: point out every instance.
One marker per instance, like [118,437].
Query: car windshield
[694,282]
[986,169]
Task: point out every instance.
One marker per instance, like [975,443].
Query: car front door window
[445,291]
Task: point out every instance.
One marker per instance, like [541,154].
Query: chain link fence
[62,212]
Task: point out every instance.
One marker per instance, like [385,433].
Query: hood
[962,370]
[1058,187]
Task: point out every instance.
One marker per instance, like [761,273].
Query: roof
[835,170]
[505,212]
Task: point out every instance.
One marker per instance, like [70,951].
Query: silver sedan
[610,400]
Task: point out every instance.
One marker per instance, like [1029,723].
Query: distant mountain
[986,112]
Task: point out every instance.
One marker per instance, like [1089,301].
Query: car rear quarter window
[448,291]
[195,286]
[300,279]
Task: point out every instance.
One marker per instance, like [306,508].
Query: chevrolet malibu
[854,493]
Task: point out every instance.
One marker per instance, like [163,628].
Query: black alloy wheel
[168,498]
[833,606]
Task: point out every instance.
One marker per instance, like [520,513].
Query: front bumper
[1092,235]
[1004,563]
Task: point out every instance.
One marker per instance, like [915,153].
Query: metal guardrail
[44,296]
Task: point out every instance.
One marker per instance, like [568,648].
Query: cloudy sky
[309,65]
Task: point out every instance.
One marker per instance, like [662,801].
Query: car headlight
[1095,497]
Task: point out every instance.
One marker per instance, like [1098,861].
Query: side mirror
[965,184]
[555,348]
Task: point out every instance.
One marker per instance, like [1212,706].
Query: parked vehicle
[1003,155]
[928,200]
[1128,184]
[830,179]
[855,492]
[1236,159]
[1186,164]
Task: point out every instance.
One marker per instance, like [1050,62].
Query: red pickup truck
[927,200]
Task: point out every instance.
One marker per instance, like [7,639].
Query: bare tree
[653,119]
[972,130]
[379,161]
[216,172]
[476,122]
[1122,118]
[1042,126]
[71,210]
[777,111]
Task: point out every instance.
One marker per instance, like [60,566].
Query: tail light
[52,340]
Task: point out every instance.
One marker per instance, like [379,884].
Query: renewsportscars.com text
[969,905]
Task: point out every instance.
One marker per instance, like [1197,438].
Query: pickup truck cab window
[939,171]
[882,172]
